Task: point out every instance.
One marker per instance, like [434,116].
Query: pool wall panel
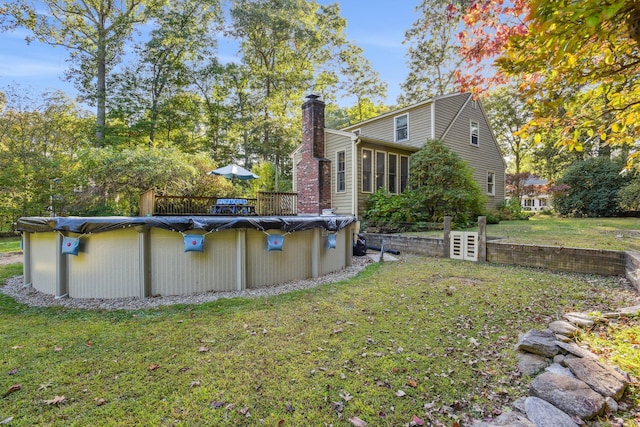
[107,266]
[176,272]
[43,262]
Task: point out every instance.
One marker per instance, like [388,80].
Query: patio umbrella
[234,172]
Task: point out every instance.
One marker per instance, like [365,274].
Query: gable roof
[402,110]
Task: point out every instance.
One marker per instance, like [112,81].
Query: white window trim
[477,144]
[493,189]
[397,184]
[400,189]
[395,127]
[375,171]
[344,153]
[373,166]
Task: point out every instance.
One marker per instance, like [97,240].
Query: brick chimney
[314,170]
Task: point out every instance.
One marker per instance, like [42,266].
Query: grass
[595,233]
[424,337]
[9,244]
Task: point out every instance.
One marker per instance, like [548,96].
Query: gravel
[27,295]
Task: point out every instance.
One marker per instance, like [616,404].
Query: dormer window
[402,127]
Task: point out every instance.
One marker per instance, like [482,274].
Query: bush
[590,188]
[388,211]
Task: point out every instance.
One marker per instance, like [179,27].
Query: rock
[557,368]
[568,394]
[544,414]
[576,350]
[518,404]
[612,405]
[622,312]
[599,377]
[563,338]
[538,342]
[558,358]
[563,327]
[530,364]
[579,319]
[508,419]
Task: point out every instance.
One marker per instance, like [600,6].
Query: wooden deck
[265,204]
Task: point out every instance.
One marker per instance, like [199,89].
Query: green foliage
[442,185]
[589,188]
[510,209]
[628,196]
[388,211]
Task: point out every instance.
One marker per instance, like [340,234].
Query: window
[367,159]
[402,127]
[491,184]
[475,131]
[380,169]
[404,172]
[341,182]
[392,173]
[543,202]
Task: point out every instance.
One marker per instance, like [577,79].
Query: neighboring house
[535,194]
[340,169]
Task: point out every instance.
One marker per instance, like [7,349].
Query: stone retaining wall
[555,258]
[430,246]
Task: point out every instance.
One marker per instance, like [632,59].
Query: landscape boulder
[568,394]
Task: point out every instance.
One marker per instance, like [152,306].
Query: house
[340,169]
[535,194]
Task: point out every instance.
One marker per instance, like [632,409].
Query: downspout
[355,140]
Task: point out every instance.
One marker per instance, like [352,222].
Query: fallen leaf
[13,371]
[203,349]
[194,384]
[16,347]
[245,411]
[153,366]
[45,386]
[100,402]
[357,422]
[337,331]
[280,423]
[417,421]
[12,389]
[6,420]
[412,382]
[290,408]
[216,404]
[57,400]
[56,348]
[346,396]
[89,343]
[400,393]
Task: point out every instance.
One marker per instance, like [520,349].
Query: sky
[377,26]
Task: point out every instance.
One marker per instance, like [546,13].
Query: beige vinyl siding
[446,110]
[486,157]
[419,119]
[334,142]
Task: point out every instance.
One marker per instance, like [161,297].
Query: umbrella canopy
[234,172]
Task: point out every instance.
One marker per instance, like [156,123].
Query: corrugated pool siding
[43,257]
[174,270]
[92,274]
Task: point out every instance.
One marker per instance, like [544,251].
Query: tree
[432,53]
[442,184]
[579,64]
[93,31]
[508,115]
[590,188]
[39,138]
[182,36]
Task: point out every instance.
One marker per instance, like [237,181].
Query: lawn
[594,233]
[9,244]
[424,337]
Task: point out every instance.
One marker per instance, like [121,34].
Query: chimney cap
[312,96]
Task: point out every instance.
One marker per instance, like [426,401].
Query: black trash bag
[360,248]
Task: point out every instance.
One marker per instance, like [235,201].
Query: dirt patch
[11,258]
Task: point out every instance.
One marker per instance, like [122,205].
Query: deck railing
[266,204]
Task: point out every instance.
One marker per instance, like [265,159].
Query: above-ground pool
[118,257]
